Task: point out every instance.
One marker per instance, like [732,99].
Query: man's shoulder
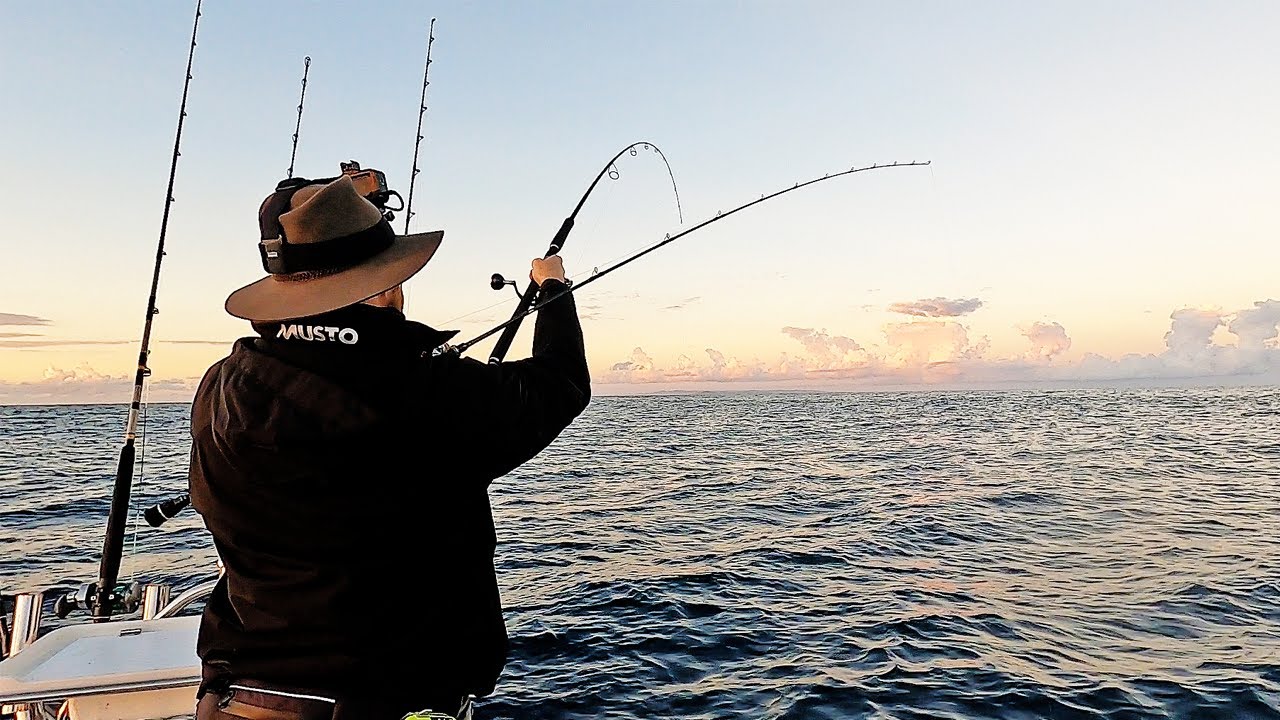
[239,347]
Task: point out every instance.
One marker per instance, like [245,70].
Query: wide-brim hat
[330,248]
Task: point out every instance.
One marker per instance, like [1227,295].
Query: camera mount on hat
[370,184]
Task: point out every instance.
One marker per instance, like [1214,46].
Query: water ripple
[1067,554]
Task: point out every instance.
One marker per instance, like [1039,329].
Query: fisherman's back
[353,523]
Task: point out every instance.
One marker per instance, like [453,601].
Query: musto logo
[318,333]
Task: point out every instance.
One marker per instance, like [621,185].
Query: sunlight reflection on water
[1105,553]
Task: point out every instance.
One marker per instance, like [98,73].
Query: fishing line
[473,312]
[528,309]
[142,471]
[595,224]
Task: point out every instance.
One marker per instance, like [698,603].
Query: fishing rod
[530,295]
[530,308]
[306,68]
[167,509]
[422,110]
[103,596]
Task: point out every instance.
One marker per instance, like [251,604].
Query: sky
[1101,204]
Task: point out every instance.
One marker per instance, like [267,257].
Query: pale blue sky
[1096,164]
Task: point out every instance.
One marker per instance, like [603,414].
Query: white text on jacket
[319,333]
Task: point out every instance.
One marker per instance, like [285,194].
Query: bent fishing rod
[529,306]
[530,296]
[103,596]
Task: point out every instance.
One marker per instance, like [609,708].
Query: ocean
[1016,554]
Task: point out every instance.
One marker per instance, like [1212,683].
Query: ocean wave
[1094,554]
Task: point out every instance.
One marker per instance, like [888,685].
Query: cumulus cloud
[58,343]
[639,361]
[81,373]
[85,384]
[53,342]
[937,351]
[1257,327]
[228,343]
[1191,331]
[937,307]
[821,346]
[17,319]
[1047,340]
[925,343]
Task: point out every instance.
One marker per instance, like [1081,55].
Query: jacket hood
[255,400]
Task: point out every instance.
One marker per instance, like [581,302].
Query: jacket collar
[356,327]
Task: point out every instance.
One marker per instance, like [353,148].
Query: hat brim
[273,298]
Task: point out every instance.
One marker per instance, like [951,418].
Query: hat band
[281,257]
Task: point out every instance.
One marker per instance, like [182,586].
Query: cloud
[79,374]
[683,303]
[1257,327]
[923,343]
[51,342]
[15,319]
[228,343]
[59,343]
[1047,340]
[937,307]
[824,348]
[84,384]
[1191,331]
[943,351]
[639,362]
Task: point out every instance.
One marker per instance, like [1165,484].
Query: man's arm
[516,409]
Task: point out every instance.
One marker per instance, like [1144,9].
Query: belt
[256,701]
[262,703]
[463,713]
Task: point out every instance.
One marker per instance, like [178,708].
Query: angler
[303,448]
[300,437]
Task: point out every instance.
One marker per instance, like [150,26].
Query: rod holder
[154,597]
[28,610]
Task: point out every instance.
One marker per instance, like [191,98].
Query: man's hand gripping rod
[525,306]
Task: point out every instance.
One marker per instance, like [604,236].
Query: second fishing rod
[531,301]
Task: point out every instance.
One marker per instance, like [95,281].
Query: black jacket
[342,470]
